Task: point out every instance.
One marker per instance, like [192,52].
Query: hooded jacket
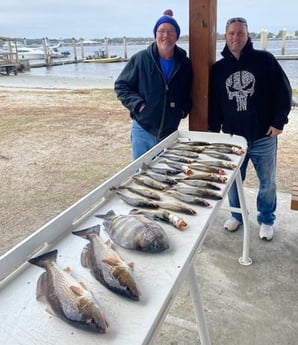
[248,95]
[166,103]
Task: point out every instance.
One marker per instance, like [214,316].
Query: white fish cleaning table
[159,276]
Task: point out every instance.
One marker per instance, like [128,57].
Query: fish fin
[84,286]
[68,270]
[41,287]
[85,255]
[131,265]
[108,215]
[110,244]
[112,261]
[77,289]
[50,310]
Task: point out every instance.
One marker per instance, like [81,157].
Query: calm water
[111,71]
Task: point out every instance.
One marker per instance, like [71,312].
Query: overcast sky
[132,18]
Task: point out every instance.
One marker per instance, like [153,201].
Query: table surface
[159,276]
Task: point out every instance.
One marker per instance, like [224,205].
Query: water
[111,71]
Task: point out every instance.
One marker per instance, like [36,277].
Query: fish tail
[110,214]
[42,260]
[86,232]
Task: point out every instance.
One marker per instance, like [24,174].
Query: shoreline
[27,81]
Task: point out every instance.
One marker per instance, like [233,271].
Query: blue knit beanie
[167,18]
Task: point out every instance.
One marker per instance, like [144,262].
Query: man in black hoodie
[250,96]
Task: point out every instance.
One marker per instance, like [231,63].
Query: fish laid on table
[106,265]
[177,207]
[220,164]
[187,147]
[201,192]
[180,159]
[164,215]
[207,177]
[162,170]
[135,232]
[218,155]
[189,198]
[137,201]
[195,142]
[67,298]
[226,145]
[183,167]
[183,153]
[226,149]
[207,168]
[201,184]
[169,180]
[149,182]
[146,192]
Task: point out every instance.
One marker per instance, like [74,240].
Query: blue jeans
[262,154]
[141,140]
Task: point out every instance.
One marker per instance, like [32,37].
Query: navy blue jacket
[142,82]
[248,95]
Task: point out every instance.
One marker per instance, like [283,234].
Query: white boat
[30,53]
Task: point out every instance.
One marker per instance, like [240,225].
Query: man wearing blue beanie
[155,86]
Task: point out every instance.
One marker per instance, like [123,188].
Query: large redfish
[135,232]
[68,299]
[106,265]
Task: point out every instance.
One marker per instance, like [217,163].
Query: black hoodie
[248,95]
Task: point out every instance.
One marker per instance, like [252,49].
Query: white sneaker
[232,224]
[266,232]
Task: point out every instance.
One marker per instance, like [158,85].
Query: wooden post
[283,41]
[82,49]
[74,49]
[125,48]
[263,43]
[202,47]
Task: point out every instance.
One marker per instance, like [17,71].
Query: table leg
[198,307]
[244,259]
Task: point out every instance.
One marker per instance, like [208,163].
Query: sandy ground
[56,145]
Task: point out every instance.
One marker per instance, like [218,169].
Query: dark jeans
[262,154]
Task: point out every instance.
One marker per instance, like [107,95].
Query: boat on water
[109,59]
[103,57]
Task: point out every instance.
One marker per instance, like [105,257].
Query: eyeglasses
[168,32]
[237,19]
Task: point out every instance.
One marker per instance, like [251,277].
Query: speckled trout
[70,300]
[135,232]
[106,265]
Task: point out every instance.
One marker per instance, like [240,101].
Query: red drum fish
[106,265]
[68,299]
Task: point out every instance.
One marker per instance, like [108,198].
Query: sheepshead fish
[164,215]
[135,232]
[106,265]
[70,300]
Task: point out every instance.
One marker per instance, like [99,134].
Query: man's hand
[273,132]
